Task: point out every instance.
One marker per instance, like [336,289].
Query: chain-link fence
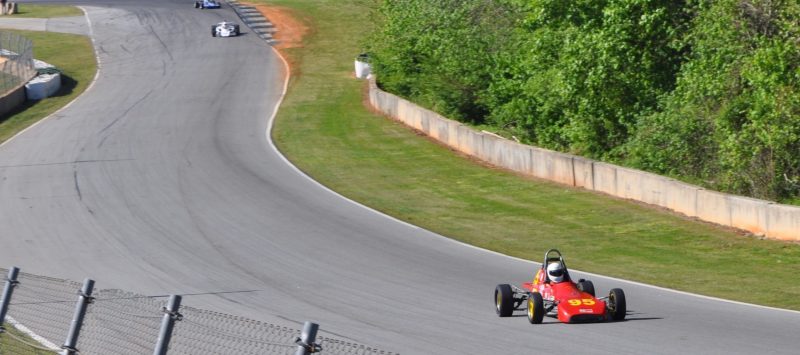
[41,311]
[16,61]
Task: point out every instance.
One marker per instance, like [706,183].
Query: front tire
[586,286]
[535,308]
[503,300]
[616,304]
[213,31]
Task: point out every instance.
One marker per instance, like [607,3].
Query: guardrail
[46,312]
[759,217]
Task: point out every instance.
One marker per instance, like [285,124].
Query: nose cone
[583,308]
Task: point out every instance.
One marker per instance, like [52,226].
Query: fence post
[167,323]
[84,299]
[11,281]
[305,344]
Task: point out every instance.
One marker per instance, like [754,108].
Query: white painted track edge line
[27,331]
[270,122]
[91,85]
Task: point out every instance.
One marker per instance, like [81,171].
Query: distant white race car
[206,4]
[225,29]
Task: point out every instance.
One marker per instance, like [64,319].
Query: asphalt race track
[160,179]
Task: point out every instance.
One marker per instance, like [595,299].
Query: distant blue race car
[206,4]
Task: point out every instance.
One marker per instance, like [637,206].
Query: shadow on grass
[68,85]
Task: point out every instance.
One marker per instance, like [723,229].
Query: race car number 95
[585,301]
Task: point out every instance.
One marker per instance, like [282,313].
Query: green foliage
[434,52]
[701,90]
[732,121]
[584,70]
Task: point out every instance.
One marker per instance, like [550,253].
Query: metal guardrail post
[167,323]
[11,281]
[84,299]
[305,344]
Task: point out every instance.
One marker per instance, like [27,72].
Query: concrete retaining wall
[756,216]
[12,99]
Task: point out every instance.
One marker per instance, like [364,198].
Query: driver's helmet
[556,272]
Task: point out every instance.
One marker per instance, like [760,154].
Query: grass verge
[325,129]
[15,342]
[74,55]
[45,11]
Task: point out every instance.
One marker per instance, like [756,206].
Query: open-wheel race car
[225,29]
[554,293]
[206,4]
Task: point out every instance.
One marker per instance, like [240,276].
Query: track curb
[257,23]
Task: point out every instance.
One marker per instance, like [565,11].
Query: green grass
[45,11]
[792,201]
[74,55]
[325,129]
[10,343]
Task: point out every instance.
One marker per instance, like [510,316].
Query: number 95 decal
[578,302]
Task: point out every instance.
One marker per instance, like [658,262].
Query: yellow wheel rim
[531,310]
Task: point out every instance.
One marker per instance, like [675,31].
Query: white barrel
[362,69]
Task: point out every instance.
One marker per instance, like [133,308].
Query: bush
[702,90]
[732,121]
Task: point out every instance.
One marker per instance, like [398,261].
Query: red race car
[553,293]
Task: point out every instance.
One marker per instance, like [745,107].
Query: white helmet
[555,272]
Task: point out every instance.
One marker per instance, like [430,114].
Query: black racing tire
[236,29]
[213,31]
[535,309]
[196,4]
[504,300]
[616,304]
[586,286]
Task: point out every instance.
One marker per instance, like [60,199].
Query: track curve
[160,179]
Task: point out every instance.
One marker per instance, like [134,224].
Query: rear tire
[535,308]
[503,300]
[196,4]
[213,31]
[616,304]
[236,30]
[586,286]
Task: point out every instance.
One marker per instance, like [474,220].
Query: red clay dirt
[290,30]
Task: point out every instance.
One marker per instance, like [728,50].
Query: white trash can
[362,66]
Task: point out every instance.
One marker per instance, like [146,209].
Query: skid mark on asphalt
[166,49]
[123,115]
